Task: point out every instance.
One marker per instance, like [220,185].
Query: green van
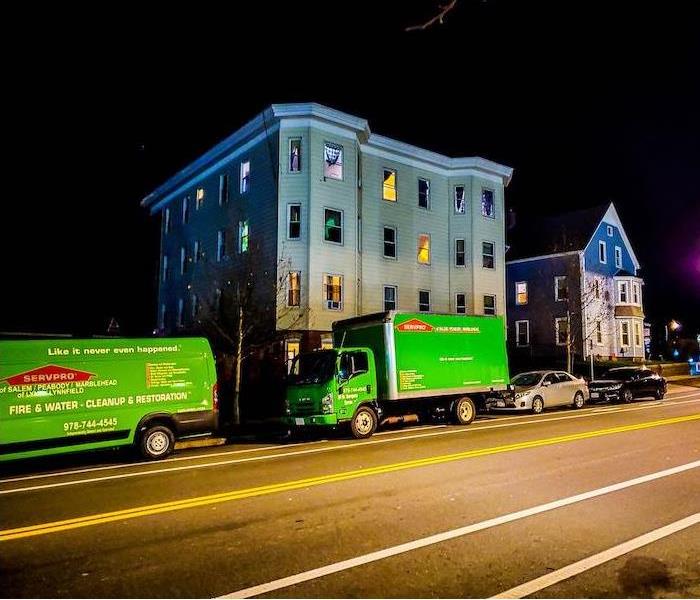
[68,395]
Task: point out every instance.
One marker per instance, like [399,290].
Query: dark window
[487,205]
[489,305]
[424,301]
[459,199]
[459,253]
[389,242]
[294,221]
[461,304]
[389,297]
[424,193]
[487,259]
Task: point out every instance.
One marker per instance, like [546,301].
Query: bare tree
[439,18]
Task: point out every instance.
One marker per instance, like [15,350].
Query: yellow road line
[130,513]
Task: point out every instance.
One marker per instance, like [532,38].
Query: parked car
[623,384]
[537,390]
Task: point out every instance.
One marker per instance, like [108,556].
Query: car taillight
[215,396]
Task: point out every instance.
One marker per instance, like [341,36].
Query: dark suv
[623,384]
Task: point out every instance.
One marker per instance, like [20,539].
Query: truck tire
[158,441]
[464,411]
[364,423]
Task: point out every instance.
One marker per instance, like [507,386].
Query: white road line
[530,587]
[364,559]
[419,427]
[351,445]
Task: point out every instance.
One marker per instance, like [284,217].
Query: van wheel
[464,411]
[578,400]
[364,423]
[537,405]
[157,442]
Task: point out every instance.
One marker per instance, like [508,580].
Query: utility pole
[590,345]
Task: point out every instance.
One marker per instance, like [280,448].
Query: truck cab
[332,387]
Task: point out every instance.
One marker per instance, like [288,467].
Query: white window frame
[492,255]
[495,305]
[199,195]
[622,334]
[342,161]
[427,196]
[493,205]
[395,242]
[289,289]
[241,225]
[599,333]
[602,245]
[224,190]
[429,301]
[517,333]
[396,184]
[166,220]
[287,343]
[558,320]
[464,253]
[325,298]
[517,293]
[289,220]
[636,296]
[558,278]
[620,286]
[220,245]
[637,334]
[289,156]
[464,306]
[396,296]
[342,226]
[618,257]
[464,200]
[430,250]
[241,177]
[610,230]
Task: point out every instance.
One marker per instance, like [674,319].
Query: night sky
[586,101]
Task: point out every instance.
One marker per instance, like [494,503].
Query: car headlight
[327,403]
[521,395]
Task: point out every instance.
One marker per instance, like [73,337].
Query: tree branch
[444,9]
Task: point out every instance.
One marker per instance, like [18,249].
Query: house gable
[618,239]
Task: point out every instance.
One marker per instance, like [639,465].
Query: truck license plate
[298,421]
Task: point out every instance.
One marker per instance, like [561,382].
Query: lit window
[333,226]
[294,155]
[389,297]
[424,249]
[489,305]
[223,189]
[291,350]
[245,177]
[180,313]
[243,236]
[389,242]
[460,259]
[602,252]
[521,292]
[459,199]
[294,297]
[487,258]
[618,257]
[637,334]
[333,291]
[522,333]
[487,204]
[424,300]
[625,334]
[166,220]
[389,186]
[220,245]
[623,291]
[199,198]
[165,267]
[424,193]
[326,342]
[561,288]
[610,231]
[185,210]
[294,222]
[461,303]
[332,161]
[598,333]
[561,327]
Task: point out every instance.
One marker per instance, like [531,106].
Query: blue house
[572,287]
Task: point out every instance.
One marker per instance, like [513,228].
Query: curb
[201,443]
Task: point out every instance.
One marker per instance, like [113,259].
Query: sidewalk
[267,430]
[686,380]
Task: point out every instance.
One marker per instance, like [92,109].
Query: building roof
[556,234]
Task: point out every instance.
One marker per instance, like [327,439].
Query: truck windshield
[314,367]
[527,379]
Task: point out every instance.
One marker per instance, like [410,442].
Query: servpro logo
[49,374]
[414,325]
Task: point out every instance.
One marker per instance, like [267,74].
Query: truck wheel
[157,442]
[537,405]
[578,400]
[364,423]
[464,411]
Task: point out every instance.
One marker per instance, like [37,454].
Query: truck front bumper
[311,421]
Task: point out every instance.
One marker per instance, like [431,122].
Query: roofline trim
[543,257]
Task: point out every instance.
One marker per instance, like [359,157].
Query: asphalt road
[600,502]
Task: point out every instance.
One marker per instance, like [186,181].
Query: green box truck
[386,366]
[67,395]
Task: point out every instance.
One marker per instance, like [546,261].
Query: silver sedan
[537,390]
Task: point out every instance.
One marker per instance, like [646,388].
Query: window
[561,328]
[197,251]
[487,205]
[243,236]
[522,333]
[622,290]
[195,305]
[625,334]
[389,186]
[389,297]
[220,245]
[489,305]
[183,260]
[561,288]
[487,259]
[461,303]
[602,252]
[459,199]
[596,289]
[166,220]
[180,315]
[332,161]
[618,257]
[389,242]
[199,198]
[165,267]
[294,295]
[333,228]
[223,189]
[635,293]
[598,333]
[424,248]
[294,221]
[459,253]
[245,177]
[424,193]
[610,231]
[637,334]
[291,349]
[295,155]
[333,290]
[424,300]
[521,292]
[185,210]
[326,342]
